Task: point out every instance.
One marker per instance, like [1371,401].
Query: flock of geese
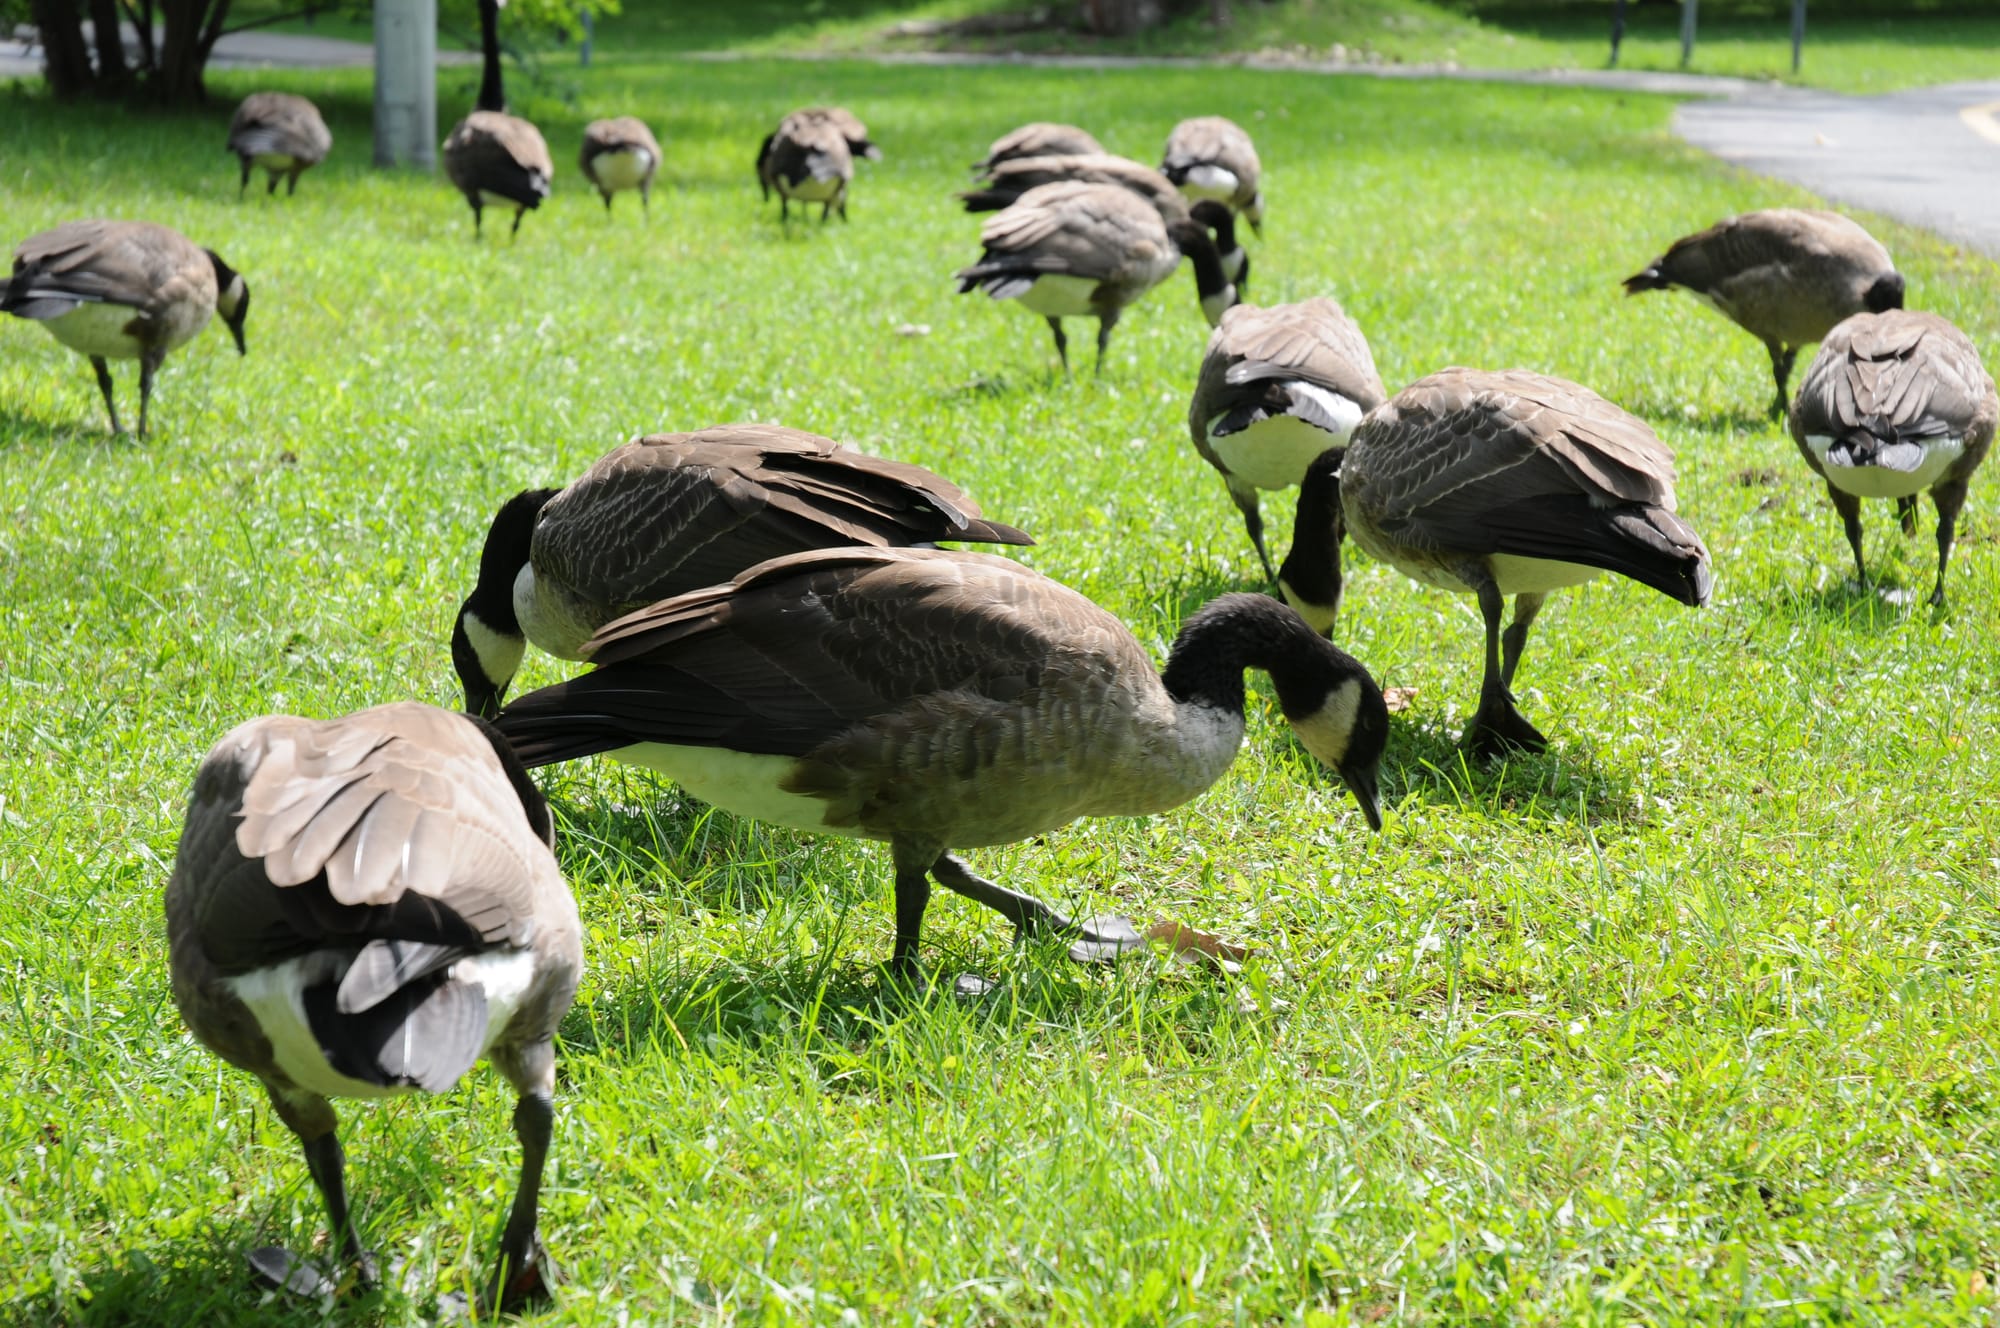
[369,904]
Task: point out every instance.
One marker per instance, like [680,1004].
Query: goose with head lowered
[937,700]
[1784,275]
[364,907]
[1896,403]
[498,159]
[620,154]
[669,513]
[1038,138]
[1078,250]
[1212,157]
[1495,484]
[806,159]
[281,133]
[1278,386]
[123,290]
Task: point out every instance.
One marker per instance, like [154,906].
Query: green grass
[1691,1020]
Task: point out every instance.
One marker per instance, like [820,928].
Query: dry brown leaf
[1399,698]
[1190,946]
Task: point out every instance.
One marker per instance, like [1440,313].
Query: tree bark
[111,70]
[65,56]
[1120,18]
[191,27]
[492,96]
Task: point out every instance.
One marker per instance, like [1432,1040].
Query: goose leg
[1525,608]
[1781,370]
[519,213]
[1245,499]
[292,182]
[104,386]
[1104,326]
[645,203]
[1096,940]
[314,1122]
[784,210]
[1062,341]
[1497,725]
[1949,497]
[1906,512]
[1849,508]
[478,216]
[244,183]
[271,188]
[913,896]
[522,1275]
[149,364]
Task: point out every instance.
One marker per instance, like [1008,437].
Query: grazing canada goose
[669,513]
[363,907]
[1497,484]
[282,133]
[1210,157]
[806,158]
[1893,404]
[1785,276]
[1008,180]
[123,290]
[1278,387]
[936,699]
[620,154]
[1075,250]
[497,158]
[1040,138]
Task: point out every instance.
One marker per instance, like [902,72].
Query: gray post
[589,23]
[406,83]
[1798,31]
[1687,32]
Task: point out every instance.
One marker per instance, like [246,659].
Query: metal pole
[1798,31]
[589,22]
[406,83]
[1687,32]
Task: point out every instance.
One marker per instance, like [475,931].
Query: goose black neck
[508,542]
[1311,570]
[1243,631]
[1219,221]
[1198,245]
[1885,294]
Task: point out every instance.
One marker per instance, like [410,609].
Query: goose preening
[1006,181]
[620,154]
[669,513]
[281,133]
[1896,403]
[1279,386]
[1077,250]
[364,907]
[1210,157]
[1497,484]
[123,290]
[936,700]
[498,159]
[1785,276]
[806,159]
[1039,138]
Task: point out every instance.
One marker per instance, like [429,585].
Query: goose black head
[1211,283]
[1342,718]
[1221,223]
[1885,294]
[232,298]
[486,639]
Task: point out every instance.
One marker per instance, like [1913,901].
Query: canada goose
[282,133]
[806,158]
[1008,180]
[363,907]
[1074,250]
[1785,276]
[494,157]
[936,699]
[620,154]
[1893,404]
[1040,138]
[669,513]
[859,145]
[1279,386]
[1497,484]
[122,290]
[1210,157]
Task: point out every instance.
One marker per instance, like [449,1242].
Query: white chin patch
[499,655]
[1939,454]
[1319,617]
[1055,295]
[1328,731]
[1213,306]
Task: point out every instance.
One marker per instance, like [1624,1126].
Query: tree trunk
[1120,18]
[191,27]
[111,70]
[66,58]
[492,96]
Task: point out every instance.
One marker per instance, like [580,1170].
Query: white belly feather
[1273,453]
[1210,181]
[98,329]
[1514,574]
[623,169]
[1055,295]
[811,190]
[743,783]
[1939,454]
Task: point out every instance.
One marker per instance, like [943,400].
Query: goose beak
[1361,783]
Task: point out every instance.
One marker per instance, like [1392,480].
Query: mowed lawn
[1692,1019]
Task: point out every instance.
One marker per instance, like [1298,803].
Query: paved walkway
[19,56]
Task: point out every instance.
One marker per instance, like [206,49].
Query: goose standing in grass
[1008,180]
[1497,484]
[936,700]
[1893,404]
[806,159]
[1075,250]
[123,290]
[1785,276]
[364,907]
[669,513]
[1279,386]
[1210,157]
[497,158]
[281,133]
[859,145]
[1039,138]
[620,154]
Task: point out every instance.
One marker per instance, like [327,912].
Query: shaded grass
[1691,1019]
